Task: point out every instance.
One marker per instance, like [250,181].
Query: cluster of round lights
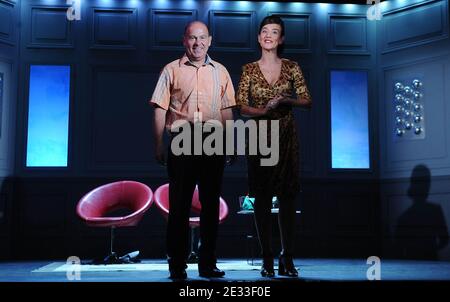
[408,108]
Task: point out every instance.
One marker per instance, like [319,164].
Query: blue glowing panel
[48,116]
[349,120]
[1,102]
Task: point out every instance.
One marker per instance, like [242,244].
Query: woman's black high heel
[286,266]
[267,268]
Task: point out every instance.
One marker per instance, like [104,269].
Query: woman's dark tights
[286,222]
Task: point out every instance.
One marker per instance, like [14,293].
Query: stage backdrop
[102,60]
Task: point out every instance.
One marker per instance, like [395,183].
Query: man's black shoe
[210,272]
[177,269]
[179,274]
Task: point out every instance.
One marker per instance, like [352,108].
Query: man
[188,87]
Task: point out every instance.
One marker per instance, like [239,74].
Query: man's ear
[210,40]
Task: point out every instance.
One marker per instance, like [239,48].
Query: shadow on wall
[421,231]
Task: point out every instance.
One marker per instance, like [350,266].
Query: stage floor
[237,270]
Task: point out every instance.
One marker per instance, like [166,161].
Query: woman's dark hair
[274,19]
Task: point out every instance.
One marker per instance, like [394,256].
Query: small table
[250,237]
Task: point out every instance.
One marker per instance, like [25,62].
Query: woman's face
[270,36]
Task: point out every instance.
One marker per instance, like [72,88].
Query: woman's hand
[273,103]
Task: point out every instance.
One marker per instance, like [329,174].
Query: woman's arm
[303,99]
[298,102]
[255,112]
[248,111]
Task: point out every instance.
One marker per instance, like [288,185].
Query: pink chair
[161,199]
[95,208]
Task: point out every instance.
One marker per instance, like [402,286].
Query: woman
[266,92]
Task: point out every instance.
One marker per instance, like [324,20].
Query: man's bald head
[195,23]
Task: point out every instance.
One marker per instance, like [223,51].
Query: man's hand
[159,123]
[231,159]
[159,154]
